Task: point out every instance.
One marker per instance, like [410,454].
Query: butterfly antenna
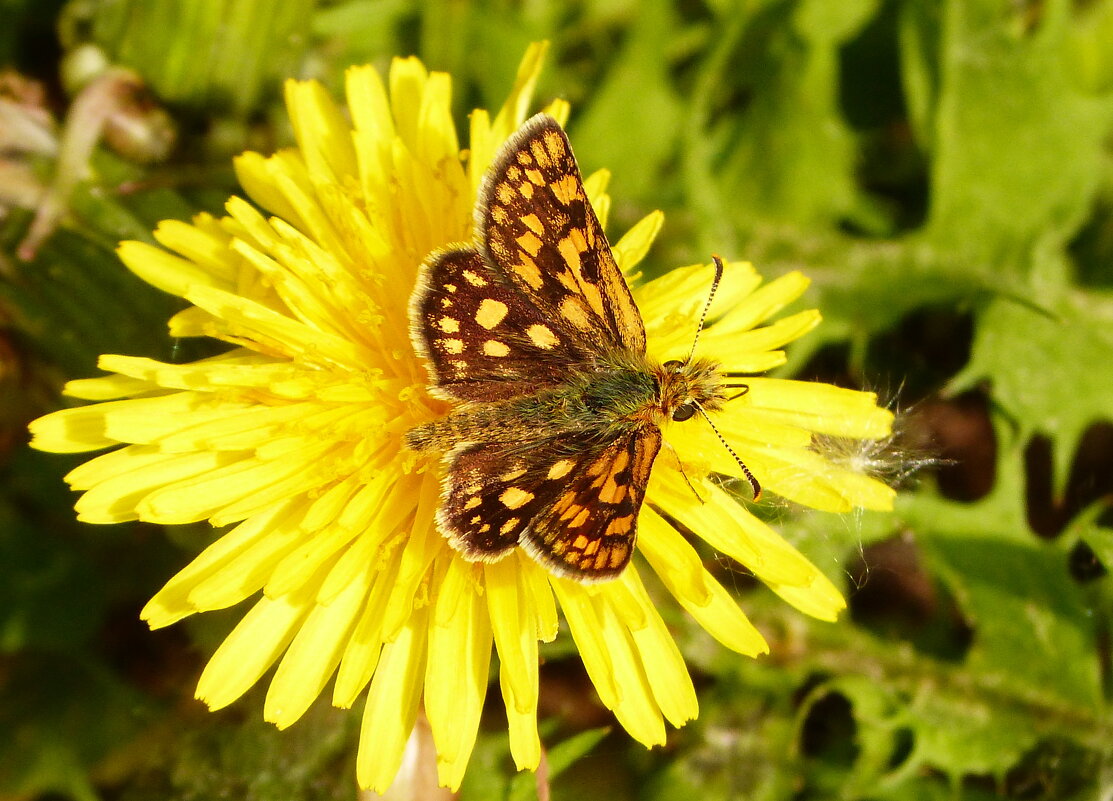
[707,305]
[754,485]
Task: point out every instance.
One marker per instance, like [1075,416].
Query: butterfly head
[699,385]
[685,387]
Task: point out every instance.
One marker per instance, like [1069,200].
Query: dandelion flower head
[292,443]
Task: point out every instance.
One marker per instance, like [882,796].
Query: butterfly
[532,331]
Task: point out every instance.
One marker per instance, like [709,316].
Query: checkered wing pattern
[572,505]
[536,223]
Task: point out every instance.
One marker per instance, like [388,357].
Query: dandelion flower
[294,440]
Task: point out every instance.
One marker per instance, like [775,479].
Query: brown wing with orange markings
[571,501]
[536,223]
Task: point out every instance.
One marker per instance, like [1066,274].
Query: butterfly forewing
[482,337]
[537,224]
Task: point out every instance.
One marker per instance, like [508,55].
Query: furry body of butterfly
[620,395]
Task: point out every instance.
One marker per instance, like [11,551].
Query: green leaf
[1016,146]
[791,156]
[50,595]
[61,716]
[1034,633]
[559,758]
[1049,367]
[1090,48]
[635,94]
[229,53]
[75,301]
[1099,538]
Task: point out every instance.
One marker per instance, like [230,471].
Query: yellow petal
[164,270]
[313,655]
[763,303]
[120,497]
[540,594]
[721,338]
[107,388]
[678,565]
[635,243]
[392,704]
[70,431]
[460,642]
[595,187]
[422,546]
[636,708]
[587,631]
[248,568]
[202,244]
[368,102]
[515,632]
[662,661]
[303,562]
[259,177]
[364,647]
[194,497]
[323,135]
[525,744]
[671,304]
[252,647]
[256,322]
[173,601]
[820,598]
[730,529]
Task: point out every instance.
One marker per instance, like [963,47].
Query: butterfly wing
[481,336]
[536,224]
[588,533]
[570,501]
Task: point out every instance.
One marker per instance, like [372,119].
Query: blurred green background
[941,169]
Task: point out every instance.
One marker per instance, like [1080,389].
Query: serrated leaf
[967,733]
[791,154]
[1048,367]
[1034,634]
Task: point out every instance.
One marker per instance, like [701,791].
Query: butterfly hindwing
[588,533]
[483,339]
[571,501]
[537,224]
[489,495]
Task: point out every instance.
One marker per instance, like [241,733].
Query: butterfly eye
[673,366]
[683,411]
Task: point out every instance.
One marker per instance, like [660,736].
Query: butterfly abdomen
[515,420]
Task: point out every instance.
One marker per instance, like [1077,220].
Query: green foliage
[940,168]
[210,54]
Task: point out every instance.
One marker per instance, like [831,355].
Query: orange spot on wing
[566,189]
